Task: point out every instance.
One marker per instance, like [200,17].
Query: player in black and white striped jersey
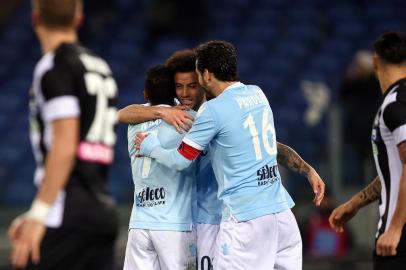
[389,148]
[72,223]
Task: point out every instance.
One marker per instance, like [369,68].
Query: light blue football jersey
[238,129]
[209,207]
[162,196]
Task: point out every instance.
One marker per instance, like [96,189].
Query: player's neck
[221,86]
[51,39]
[390,76]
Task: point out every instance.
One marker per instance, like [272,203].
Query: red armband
[188,151]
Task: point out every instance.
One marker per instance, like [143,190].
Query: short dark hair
[182,61]
[391,47]
[160,85]
[57,13]
[219,58]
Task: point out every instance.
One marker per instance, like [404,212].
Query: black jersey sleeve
[59,91]
[394,115]
[58,81]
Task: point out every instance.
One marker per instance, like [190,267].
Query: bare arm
[345,212]
[371,193]
[399,217]
[388,242]
[27,231]
[60,159]
[136,114]
[288,158]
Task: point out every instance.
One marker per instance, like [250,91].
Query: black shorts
[393,262]
[73,250]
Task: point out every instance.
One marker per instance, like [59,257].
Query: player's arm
[136,114]
[150,146]
[61,109]
[394,117]
[388,242]
[60,159]
[288,158]
[202,132]
[29,230]
[346,211]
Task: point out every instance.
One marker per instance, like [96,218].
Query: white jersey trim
[61,107]
[399,134]
[193,144]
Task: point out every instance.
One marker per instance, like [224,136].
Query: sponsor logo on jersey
[267,175]
[150,197]
[95,152]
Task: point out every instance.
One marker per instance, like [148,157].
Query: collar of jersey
[394,86]
[235,85]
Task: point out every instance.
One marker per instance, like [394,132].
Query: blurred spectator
[317,96]
[360,96]
[319,239]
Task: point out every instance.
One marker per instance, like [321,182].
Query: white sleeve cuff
[399,134]
[61,107]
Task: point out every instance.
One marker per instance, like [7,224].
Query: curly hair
[182,61]
[219,58]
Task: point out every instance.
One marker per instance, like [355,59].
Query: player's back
[73,82]
[244,153]
[163,196]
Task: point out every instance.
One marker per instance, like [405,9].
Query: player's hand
[25,235]
[177,117]
[341,215]
[139,138]
[388,242]
[318,186]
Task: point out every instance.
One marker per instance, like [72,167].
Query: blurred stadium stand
[280,44]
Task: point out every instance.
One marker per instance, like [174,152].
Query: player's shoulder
[401,91]
[396,96]
[68,54]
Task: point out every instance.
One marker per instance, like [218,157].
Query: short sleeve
[58,90]
[394,117]
[203,129]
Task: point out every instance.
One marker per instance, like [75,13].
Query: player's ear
[34,13]
[79,16]
[375,62]
[206,74]
[146,95]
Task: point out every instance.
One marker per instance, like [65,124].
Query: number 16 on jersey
[269,144]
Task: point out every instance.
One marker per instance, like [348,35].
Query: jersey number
[102,128]
[266,127]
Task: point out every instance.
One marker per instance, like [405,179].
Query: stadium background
[297,51]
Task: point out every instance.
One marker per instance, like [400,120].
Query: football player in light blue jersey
[258,230]
[160,230]
[209,208]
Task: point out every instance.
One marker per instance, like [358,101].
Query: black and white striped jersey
[389,130]
[72,82]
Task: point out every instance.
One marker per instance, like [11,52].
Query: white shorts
[160,250]
[206,238]
[264,243]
